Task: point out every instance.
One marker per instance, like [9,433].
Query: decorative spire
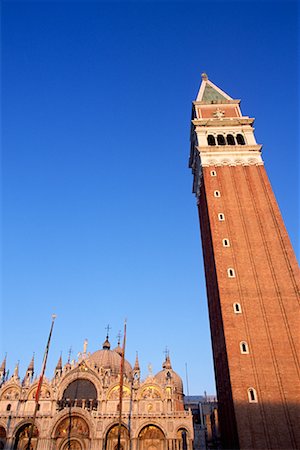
[3,366]
[59,364]
[106,343]
[31,365]
[16,372]
[3,371]
[167,363]
[29,373]
[69,355]
[85,345]
[204,76]
[136,364]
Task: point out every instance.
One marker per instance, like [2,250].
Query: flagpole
[37,395]
[121,388]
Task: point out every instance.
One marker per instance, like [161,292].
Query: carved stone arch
[46,392]
[72,430]
[111,437]
[21,435]
[184,427]
[75,412]
[3,435]
[182,436]
[11,391]
[225,162]
[114,391]
[152,437]
[150,391]
[76,374]
[252,161]
[145,423]
[72,444]
[212,162]
[239,162]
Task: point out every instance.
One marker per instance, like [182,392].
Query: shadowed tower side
[252,278]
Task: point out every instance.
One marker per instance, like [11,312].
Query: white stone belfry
[220,134]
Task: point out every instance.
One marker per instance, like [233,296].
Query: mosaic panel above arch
[44,393]
[72,426]
[12,393]
[72,445]
[150,392]
[114,393]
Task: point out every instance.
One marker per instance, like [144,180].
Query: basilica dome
[110,360]
[168,375]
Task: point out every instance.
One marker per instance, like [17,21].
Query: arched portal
[72,433]
[111,439]
[22,437]
[72,445]
[151,438]
[182,439]
[2,437]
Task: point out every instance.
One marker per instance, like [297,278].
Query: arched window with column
[2,437]
[111,438]
[240,139]
[182,439]
[230,139]
[21,436]
[211,140]
[151,437]
[221,139]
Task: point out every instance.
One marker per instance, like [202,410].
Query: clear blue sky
[98,219]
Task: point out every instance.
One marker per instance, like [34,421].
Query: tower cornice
[227,121]
[230,149]
[214,103]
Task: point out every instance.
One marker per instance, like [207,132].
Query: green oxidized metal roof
[210,94]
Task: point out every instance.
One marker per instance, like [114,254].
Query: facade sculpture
[79,407]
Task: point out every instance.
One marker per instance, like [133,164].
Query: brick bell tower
[252,278]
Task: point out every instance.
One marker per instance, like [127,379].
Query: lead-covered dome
[169,376]
[110,360]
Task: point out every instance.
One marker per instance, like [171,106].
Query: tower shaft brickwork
[252,278]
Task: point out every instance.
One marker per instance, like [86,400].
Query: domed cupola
[168,376]
[106,344]
[118,348]
[110,360]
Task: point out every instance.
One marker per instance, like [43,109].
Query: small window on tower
[252,396]
[244,348]
[230,139]
[8,408]
[237,308]
[213,173]
[240,139]
[217,194]
[231,273]
[221,139]
[221,217]
[211,140]
[226,242]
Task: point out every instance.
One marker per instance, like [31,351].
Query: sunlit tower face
[252,278]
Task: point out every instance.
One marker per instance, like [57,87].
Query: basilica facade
[79,408]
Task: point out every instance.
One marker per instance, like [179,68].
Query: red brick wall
[267,287]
